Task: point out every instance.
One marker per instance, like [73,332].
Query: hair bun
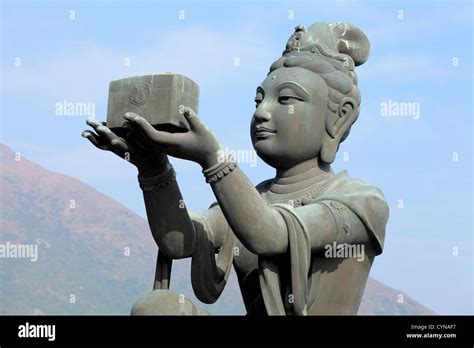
[352,41]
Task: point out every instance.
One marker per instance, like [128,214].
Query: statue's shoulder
[344,183]
[264,186]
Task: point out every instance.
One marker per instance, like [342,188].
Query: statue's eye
[258,99]
[288,99]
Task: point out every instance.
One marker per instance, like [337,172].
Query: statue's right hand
[144,159]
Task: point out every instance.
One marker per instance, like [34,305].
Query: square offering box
[157,98]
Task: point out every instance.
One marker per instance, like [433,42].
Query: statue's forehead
[280,76]
[300,76]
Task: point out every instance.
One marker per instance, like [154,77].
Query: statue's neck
[300,176]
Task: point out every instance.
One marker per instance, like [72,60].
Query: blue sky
[415,48]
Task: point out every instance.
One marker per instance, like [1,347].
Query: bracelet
[219,170]
[159,182]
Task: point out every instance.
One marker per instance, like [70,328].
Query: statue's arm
[174,228]
[215,224]
[169,221]
[263,230]
[171,226]
[259,227]
[329,222]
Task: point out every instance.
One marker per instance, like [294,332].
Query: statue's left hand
[198,144]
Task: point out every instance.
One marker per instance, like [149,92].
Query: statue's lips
[261,132]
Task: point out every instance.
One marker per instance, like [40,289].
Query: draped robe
[299,282]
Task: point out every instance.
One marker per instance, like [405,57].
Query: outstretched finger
[94,123]
[145,128]
[98,126]
[102,130]
[95,140]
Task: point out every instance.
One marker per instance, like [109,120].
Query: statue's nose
[262,114]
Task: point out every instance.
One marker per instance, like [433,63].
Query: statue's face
[288,126]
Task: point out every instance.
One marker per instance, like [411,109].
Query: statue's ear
[336,126]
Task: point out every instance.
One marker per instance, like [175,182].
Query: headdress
[340,44]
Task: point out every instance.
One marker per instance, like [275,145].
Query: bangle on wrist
[158,182]
[219,170]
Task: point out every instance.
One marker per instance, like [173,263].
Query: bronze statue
[292,239]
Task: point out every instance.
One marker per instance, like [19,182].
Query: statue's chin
[265,151]
[265,156]
[278,160]
[274,160]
